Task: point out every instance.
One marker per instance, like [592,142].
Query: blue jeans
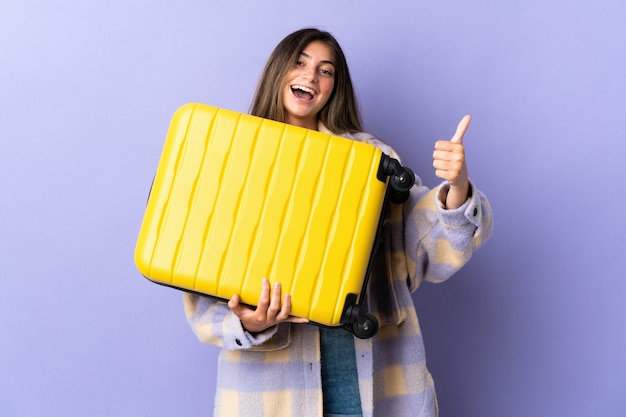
[343,415]
[340,381]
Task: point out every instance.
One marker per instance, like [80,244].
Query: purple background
[533,326]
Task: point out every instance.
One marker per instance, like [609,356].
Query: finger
[286,310]
[461,129]
[264,299]
[274,307]
[233,302]
[446,150]
[294,319]
[235,305]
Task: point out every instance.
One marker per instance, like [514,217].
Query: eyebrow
[323,62]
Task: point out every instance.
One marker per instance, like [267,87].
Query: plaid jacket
[276,373]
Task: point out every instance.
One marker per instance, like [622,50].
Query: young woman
[274,364]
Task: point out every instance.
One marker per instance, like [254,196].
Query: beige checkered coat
[277,373]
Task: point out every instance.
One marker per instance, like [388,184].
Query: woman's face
[308,85]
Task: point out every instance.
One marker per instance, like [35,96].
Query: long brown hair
[341,112]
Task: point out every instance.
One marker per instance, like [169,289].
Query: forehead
[319,51]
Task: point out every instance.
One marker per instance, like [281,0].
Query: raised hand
[449,163]
[269,311]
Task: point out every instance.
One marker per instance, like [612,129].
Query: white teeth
[303,88]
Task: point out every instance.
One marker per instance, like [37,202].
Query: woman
[274,364]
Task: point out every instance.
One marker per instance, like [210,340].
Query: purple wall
[533,326]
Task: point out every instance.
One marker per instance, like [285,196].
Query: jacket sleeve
[428,242]
[437,241]
[214,323]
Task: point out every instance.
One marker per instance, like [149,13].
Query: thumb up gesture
[449,164]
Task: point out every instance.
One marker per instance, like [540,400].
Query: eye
[326,72]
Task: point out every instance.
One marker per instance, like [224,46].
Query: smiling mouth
[302,92]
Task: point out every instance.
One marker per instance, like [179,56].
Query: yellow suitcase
[237,198]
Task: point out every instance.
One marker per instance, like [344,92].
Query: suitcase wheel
[367,328]
[358,321]
[401,179]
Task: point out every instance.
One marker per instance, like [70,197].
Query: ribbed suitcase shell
[237,198]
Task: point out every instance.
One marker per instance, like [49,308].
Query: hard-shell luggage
[237,198]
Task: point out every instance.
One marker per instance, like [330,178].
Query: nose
[310,74]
